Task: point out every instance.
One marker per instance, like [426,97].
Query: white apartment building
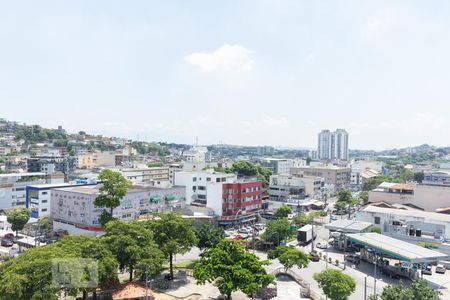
[73,209]
[333,145]
[204,188]
[282,166]
[38,197]
[195,154]
[284,187]
[13,187]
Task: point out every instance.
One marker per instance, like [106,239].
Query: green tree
[18,218]
[376,229]
[91,247]
[335,284]
[245,168]
[417,290]
[29,276]
[289,257]
[421,290]
[345,196]
[283,211]
[363,197]
[173,235]
[132,244]
[277,231]
[302,219]
[317,214]
[419,176]
[114,188]
[231,268]
[339,205]
[209,235]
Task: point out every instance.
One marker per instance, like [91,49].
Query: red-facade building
[241,199]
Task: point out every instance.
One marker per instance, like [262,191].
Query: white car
[440,269]
[322,245]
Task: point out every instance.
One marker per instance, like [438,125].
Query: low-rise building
[428,197]
[280,166]
[13,187]
[284,187]
[96,159]
[215,190]
[38,197]
[52,164]
[436,178]
[337,177]
[73,209]
[409,225]
[240,202]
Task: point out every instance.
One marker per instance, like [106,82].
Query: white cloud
[227,58]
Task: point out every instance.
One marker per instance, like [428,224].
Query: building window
[44,201]
[44,210]
[44,193]
[217,179]
[377,220]
[194,179]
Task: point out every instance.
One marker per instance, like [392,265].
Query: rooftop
[397,248]
[23,174]
[348,226]
[409,213]
[53,185]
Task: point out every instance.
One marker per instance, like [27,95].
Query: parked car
[354,258]
[427,270]
[392,273]
[9,236]
[322,245]
[334,218]
[352,249]
[7,242]
[440,269]
[314,256]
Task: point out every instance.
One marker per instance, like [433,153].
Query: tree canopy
[277,231]
[114,188]
[174,235]
[335,284]
[133,246]
[283,211]
[289,257]
[29,276]
[417,290]
[231,268]
[18,218]
[209,236]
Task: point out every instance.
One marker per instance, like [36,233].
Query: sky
[237,72]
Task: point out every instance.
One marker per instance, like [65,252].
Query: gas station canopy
[395,248]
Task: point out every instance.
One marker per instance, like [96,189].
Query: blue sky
[239,72]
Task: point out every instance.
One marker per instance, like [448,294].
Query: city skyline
[257,73]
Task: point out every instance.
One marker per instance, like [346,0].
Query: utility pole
[375,276]
[312,234]
[365,288]
[146,282]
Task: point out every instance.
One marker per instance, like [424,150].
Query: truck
[305,235]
